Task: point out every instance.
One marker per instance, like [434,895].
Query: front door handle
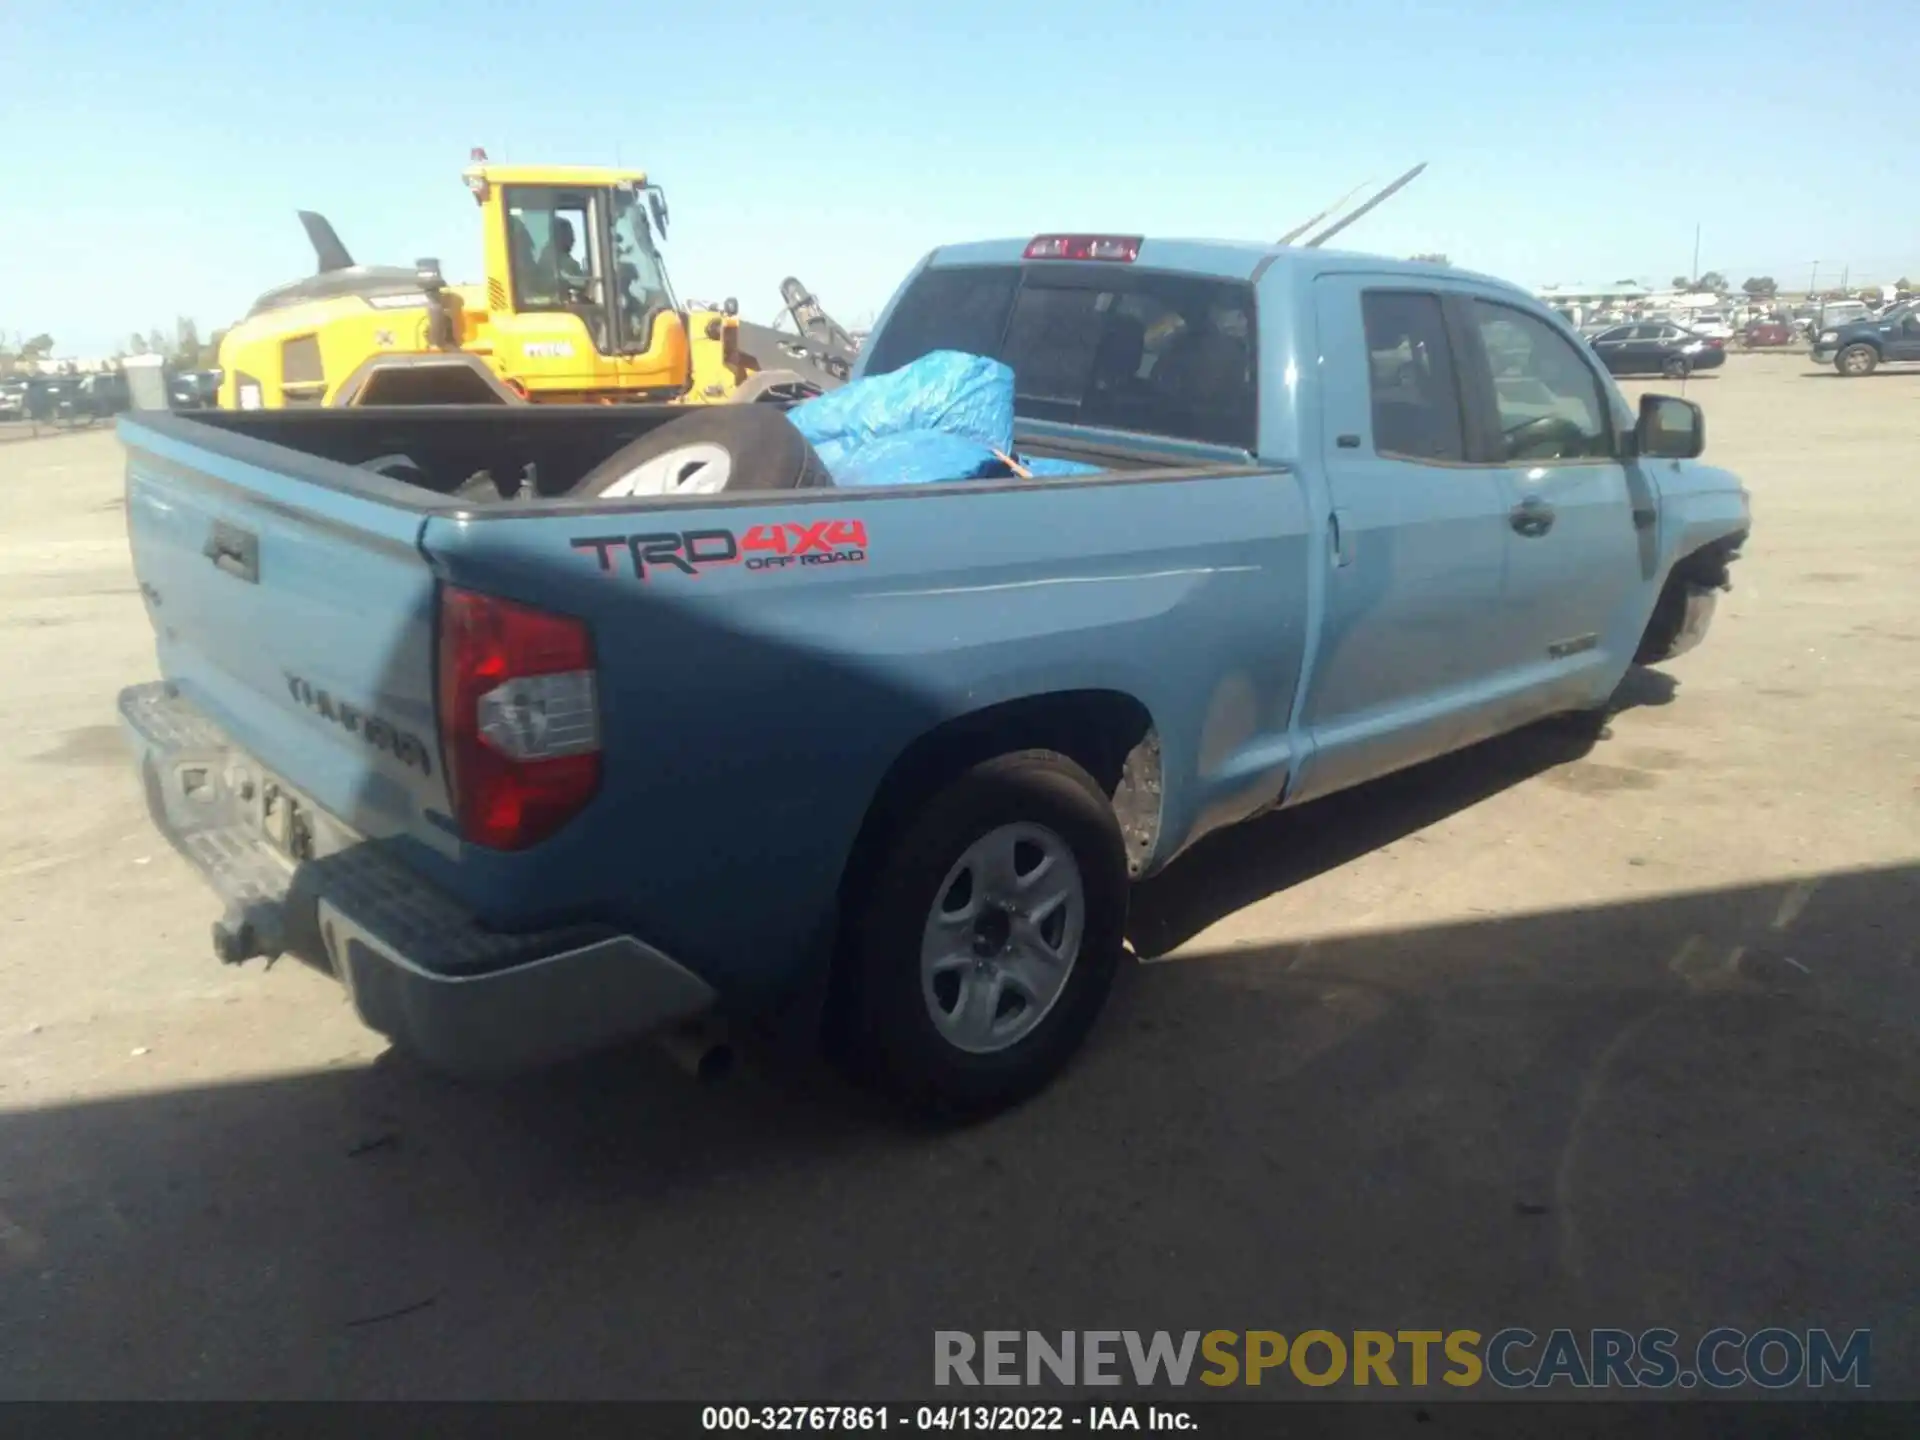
[1532,517]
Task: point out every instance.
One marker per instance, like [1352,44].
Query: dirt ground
[1529,1036]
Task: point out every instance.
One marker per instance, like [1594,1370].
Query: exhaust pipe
[700,1047]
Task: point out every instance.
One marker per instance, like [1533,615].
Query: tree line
[184,349]
[1765,287]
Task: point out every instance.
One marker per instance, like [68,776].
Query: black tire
[1677,367]
[396,467]
[1865,360]
[892,1041]
[727,449]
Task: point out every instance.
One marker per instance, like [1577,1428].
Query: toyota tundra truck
[536,761]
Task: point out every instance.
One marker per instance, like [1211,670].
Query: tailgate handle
[235,551]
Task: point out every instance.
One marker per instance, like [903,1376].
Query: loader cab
[577,294]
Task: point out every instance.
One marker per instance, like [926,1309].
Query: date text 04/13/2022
[851,1419]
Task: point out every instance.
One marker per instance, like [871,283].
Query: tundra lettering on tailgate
[762,548]
[403,745]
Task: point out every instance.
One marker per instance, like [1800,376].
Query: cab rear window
[1144,351]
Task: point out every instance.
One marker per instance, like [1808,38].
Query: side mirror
[657,203]
[426,274]
[1669,428]
[730,306]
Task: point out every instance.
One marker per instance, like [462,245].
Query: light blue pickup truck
[540,742]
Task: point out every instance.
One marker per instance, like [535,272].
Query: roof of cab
[585,176]
[1226,259]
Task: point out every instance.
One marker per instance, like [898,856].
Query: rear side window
[946,310]
[1415,384]
[1141,351]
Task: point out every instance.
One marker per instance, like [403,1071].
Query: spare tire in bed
[721,449]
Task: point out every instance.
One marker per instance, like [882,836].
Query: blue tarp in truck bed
[947,416]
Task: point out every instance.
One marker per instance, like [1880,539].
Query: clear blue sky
[155,154]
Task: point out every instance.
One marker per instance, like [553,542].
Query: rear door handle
[1532,517]
[235,551]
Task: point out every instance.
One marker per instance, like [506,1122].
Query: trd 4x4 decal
[764,547]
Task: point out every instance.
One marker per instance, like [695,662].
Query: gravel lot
[1528,1036]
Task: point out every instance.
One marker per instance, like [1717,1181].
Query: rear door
[292,605]
[1542,417]
[1410,646]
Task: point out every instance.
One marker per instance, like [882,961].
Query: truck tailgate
[299,617]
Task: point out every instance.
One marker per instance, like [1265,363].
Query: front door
[1579,568]
[557,336]
[1904,342]
[1411,641]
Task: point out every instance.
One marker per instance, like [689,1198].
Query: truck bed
[561,443]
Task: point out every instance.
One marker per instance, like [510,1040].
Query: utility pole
[1848,270]
[1813,284]
[1694,274]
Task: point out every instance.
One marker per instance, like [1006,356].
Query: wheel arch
[1108,733]
[1704,567]
[460,378]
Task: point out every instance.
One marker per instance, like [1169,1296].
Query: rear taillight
[519,718]
[1713,344]
[1124,248]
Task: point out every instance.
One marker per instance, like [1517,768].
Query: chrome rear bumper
[418,967]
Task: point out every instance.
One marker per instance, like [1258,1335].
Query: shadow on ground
[1688,1110]
[1243,865]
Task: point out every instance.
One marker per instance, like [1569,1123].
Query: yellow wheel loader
[575,308]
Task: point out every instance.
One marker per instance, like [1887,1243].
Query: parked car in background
[1836,313]
[1865,345]
[13,398]
[1657,347]
[101,396]
[193,389]
[1766,332]
[54,400]
[1713,324]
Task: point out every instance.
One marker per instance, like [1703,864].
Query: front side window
[1414,382]
[1548,399]
[642,290]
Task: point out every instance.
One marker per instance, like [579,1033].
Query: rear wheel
[1857,360]
[986,943]
[1677,367]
